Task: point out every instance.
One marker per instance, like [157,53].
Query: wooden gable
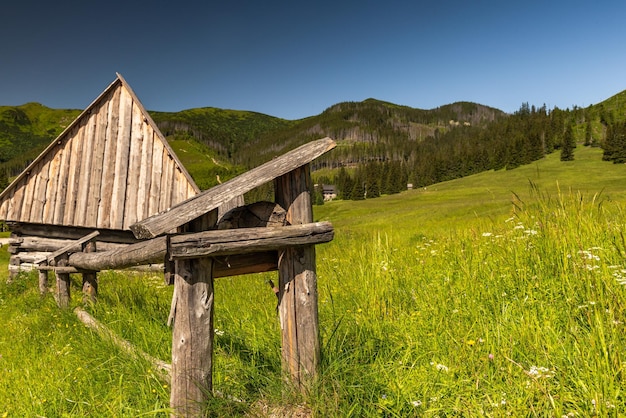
[109,169]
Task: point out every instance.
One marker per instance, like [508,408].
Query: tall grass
[476,297]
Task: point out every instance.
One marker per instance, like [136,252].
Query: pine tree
[567,149]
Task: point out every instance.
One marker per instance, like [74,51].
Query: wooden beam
[213,198]
[248,240]
[214,243]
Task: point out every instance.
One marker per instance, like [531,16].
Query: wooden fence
[194,249]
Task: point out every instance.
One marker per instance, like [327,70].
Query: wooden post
[192,336]
[90,279]
[298,284]
[63,287]
[43,282]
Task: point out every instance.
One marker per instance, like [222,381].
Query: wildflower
[491,356]
[416,404]
[219,332]
[470,342]
[487,234]
[442,368]
[540,372]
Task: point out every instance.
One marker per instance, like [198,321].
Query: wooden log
[48,245]
[298,285]
[248,240]
[213,198]
[192,336]
[203,244]
[145,252]
[69,232]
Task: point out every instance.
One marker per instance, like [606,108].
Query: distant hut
[108,169]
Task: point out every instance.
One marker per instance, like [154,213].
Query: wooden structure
[109,193]
[201,251]
[108,169]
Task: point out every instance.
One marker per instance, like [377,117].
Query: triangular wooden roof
[110,168]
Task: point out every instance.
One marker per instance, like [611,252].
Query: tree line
[367,170]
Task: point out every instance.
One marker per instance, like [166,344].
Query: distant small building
[329,191]
[409,186]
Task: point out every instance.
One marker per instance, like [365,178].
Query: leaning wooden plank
[52,257]
[213,198]
[248,240]
[160,366]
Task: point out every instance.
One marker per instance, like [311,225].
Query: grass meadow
[500,294]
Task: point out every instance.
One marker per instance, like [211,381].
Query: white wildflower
[540,372]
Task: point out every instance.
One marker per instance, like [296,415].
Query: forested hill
[380,144]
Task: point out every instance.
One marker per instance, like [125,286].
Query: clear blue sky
[293,59]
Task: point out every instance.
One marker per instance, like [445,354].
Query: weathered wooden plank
[53,182]
[118,196]
[11,207]
[62,182]
[39,194]
[134,168]
[248,240]
[95,179]
[145,172]
[74,175]
[27,200]
[222,193]
[85,174]
[167,182]
[298,284]
[108,161]
[154,197]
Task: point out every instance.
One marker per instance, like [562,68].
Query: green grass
[500,294]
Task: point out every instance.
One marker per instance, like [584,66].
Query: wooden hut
[107,170]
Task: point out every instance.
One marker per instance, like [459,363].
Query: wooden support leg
[298,285]
[192,339]
[43,282]
[63,290]
[90,287]
[90,280]
[193,333]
